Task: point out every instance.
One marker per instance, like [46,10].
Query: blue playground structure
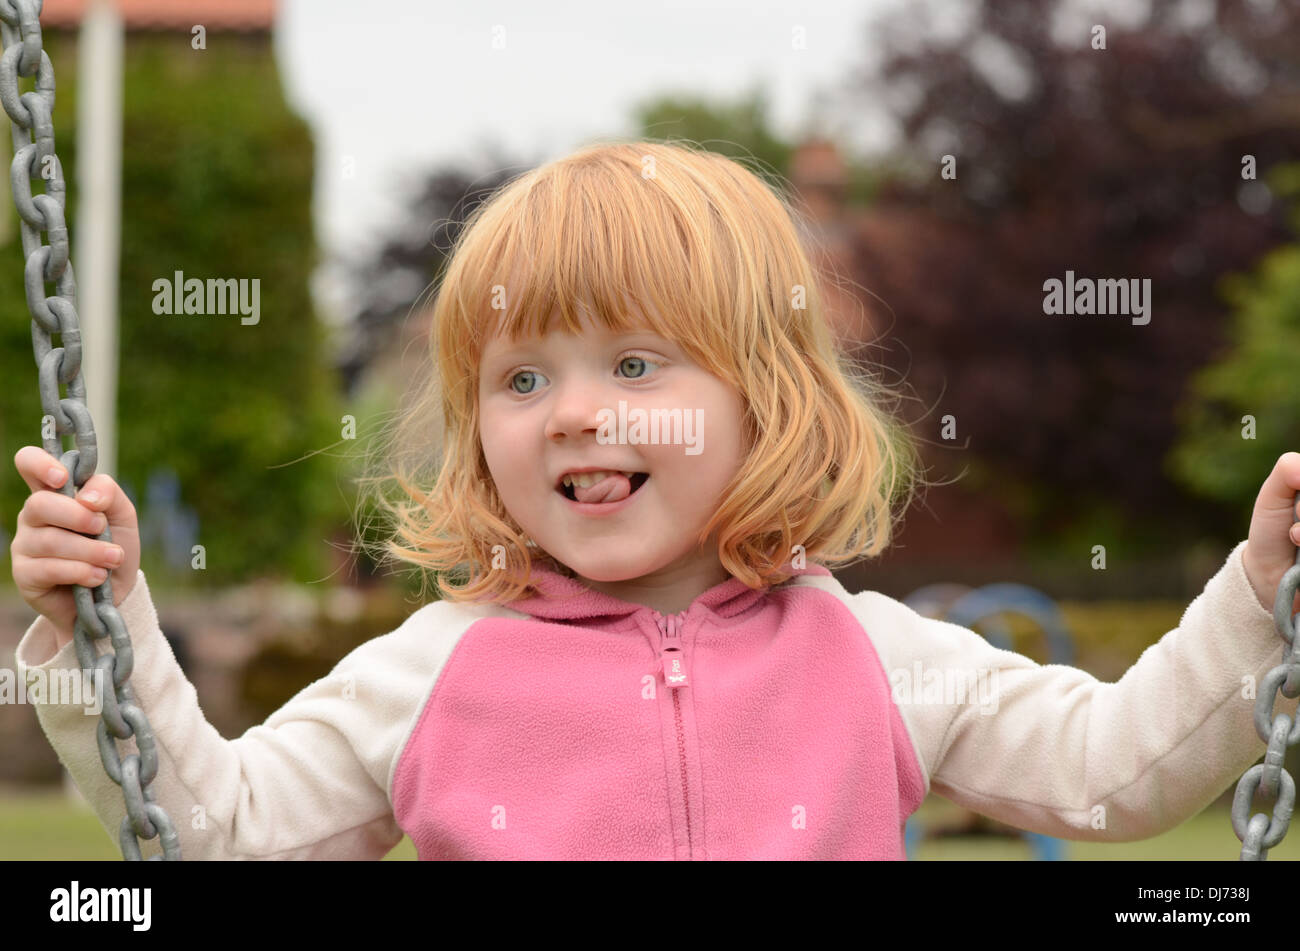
[986,606]
[167,524]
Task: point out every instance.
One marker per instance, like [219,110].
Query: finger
[1279,490]
[51,572]
[57,510]
[102,494]
[57,543]
[39,469]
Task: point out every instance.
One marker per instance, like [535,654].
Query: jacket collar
[559,597]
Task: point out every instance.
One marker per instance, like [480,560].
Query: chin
[605,573]
[598,569]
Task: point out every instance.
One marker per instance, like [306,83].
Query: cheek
[504,452]
[491,441]
[726,434]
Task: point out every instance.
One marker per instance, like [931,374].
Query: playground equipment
[30,114]
[122,718]
[986,607]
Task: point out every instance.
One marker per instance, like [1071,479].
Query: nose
[576,408]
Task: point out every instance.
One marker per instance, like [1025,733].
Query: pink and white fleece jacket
[794,722]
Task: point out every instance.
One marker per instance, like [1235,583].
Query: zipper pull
[672,654]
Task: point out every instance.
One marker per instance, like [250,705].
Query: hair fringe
[716,251]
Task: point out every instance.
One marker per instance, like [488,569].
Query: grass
[1205,837]
[47,825]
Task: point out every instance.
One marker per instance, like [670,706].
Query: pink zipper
[673,656]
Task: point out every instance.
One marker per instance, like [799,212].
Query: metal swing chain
[122,717]
[30,112]
[1259,833]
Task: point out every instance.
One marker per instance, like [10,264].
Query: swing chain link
[1259,833]
[30,113]
[122,716]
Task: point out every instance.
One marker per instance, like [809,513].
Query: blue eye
[523,373]
[533,373]
[641,360]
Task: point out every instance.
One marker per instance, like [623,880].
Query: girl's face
[540,415]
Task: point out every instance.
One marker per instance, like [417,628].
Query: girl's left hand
[1274,534]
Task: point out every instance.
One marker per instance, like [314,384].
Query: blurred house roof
[816,162]
[238,15]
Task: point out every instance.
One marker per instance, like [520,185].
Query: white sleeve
[312,782]
[1051,749]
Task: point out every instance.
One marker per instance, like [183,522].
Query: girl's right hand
[51,552]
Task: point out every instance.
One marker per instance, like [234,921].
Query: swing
[30,113]
[122,717]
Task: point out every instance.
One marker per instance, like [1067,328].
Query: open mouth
[637,480]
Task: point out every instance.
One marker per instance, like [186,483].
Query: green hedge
[217,180]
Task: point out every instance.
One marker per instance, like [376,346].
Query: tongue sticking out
[613,488]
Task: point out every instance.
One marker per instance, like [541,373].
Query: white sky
[395,87]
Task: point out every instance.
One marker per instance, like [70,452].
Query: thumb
[102,494]
[1271,546]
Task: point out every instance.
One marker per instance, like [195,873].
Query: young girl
[650,450]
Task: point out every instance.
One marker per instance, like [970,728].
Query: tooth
[586,479]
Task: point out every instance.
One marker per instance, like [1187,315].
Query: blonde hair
[713,256]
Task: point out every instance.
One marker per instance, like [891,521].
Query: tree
[409,261]
[739,131]
[216,184]
[1119,162]
[1244,411]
